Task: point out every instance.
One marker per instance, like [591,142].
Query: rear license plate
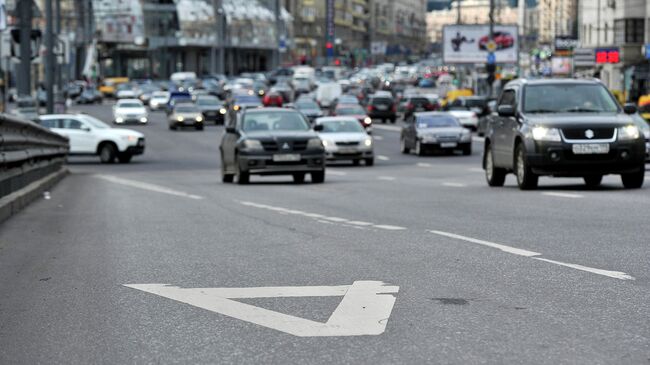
[382,107]
[590,148]
[419,109]
[448,144]
[286,158]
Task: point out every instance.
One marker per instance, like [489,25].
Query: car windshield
[96,123]
[247,99]
[208,101]
[129,105]
[350,110]
[186,109]
[568,98]
[274,121]
[436,121]
[342,126]
[307,105]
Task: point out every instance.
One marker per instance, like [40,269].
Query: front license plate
[448,145]
[590,148]
[347,150]
[286,158]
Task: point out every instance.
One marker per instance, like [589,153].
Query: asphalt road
[553,276]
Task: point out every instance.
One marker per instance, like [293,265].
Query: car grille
[351,143]
[580,133]
[277,146]
[450,138]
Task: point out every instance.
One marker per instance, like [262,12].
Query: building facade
[558,18]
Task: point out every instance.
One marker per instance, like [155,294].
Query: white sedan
[345,139]
[159,99]
[90,136]
[130,111]
[467,118]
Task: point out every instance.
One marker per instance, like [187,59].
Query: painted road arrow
[364,309]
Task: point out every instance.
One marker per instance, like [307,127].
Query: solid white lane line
[612,274]
[504,248]
[423,164]
[336,172]
[386,178]
[147,186]
[454,185]
[563,195]
[391,128]
[531,254]
[383,158]
[322,218]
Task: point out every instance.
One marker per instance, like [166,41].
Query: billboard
[119,21]
[470,43]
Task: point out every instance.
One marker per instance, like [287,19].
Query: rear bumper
[264,164]
[558,159]
[382,115]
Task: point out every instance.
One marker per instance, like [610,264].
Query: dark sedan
[435,131]
[212,108]
[271,141]
[308,108]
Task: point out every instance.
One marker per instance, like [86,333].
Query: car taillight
[409,106]
[394,108]
[429,107]
[370,108]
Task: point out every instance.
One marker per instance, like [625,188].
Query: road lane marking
[391,128]
[364,310]
[533,255]
[147,186]
[324,218]
[423,164]
[476,169]
[336,172]
[454,185]
[378,138]
[383,158]
[563,195]
[386,178]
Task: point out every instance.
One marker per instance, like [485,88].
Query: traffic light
[330,49]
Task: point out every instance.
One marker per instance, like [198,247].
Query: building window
[628,31]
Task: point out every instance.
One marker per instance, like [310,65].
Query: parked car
[212,108]
[563,128]
[185,115]
[90,136]
[345,140]
[355,111]
[130,111]
[434,131]
[159,99]
[271,141]
[382,107]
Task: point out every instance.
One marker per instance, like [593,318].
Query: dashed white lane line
[563,195]
[336,173]
[391,128]
[147,186]
[386,178]
[423,164]
[476,169]
[533,255]
[454,185]
[383,158]
[323,218]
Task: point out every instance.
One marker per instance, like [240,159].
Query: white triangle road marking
[364,309]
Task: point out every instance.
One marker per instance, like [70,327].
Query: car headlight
[367,142]
[252,144]
[130,138]
[327,143]
[315,143]
[180,119]
[465,136]
[628,132]
[546,134]
[222,110]
[367,121]
[199,119]
[119,120]
[430,138]
[143,120]
[236,107]
[261,92]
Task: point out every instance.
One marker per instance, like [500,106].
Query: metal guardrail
[28,152]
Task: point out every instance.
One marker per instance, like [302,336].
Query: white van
[304,71]
[327,93]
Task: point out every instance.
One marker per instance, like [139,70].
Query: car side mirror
[506,111]
[629,108]
[318,128]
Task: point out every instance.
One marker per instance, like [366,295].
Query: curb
[16,201]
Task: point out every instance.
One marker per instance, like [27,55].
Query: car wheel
[299,178]
[495,176]
[634,180]
[370,161]
[593,181]
[403,147]
[318,177]
[467,150]
[526,179]
[243,177]
[418,149]
[107,153]
[125,157]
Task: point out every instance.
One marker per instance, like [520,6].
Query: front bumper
[558,159]
[263,164]
[349,155]
[187,123]
[213,116]
[138,149]
[445,146]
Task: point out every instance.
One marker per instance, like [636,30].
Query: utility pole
[221,37]
[57,31]
[491,62]
[278,28]
[459,19]
[49,57]
[24,70]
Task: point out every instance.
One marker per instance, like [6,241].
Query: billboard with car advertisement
[470,43]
